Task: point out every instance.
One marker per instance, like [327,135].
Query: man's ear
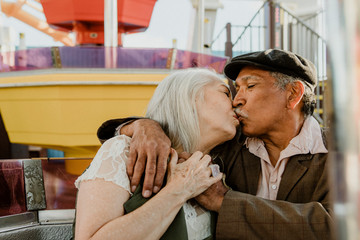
[295,94]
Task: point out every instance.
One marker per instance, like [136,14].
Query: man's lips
[240,114]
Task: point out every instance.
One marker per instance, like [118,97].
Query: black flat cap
[275,60]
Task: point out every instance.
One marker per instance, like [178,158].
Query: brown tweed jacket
[302,209]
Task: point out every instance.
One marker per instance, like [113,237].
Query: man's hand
[213,197]
[149,147]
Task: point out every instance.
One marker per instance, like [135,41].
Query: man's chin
[246,131]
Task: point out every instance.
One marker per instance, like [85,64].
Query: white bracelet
[215,169]
[118,129]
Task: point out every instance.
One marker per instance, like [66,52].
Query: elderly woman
[194,108]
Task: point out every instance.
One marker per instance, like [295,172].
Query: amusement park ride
[84,18]
[57,97]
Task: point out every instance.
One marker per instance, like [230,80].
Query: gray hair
[309,99]
[173,105]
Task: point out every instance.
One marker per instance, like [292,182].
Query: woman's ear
[295,94]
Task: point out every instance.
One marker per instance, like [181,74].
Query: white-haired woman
[194,108]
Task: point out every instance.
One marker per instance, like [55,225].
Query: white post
[201,18]
[22,42]
[110,32]
[22,54]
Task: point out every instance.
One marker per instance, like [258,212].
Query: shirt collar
[309,140]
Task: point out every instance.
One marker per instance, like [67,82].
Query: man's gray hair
[173,105]
[309,98]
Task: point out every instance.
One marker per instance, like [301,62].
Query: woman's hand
[191,177]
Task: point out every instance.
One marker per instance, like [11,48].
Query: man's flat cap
[277,61]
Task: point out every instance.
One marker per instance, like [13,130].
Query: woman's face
[217,119]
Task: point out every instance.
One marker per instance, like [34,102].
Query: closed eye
[251,85]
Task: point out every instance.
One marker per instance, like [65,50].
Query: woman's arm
[100,213]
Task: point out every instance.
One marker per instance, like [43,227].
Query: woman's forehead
[218,83]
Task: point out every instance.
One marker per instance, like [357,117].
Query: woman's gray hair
[173,105]
[308,99]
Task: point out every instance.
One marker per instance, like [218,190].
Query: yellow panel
[66,117]
[71,77]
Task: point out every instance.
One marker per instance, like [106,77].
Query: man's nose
[239,99]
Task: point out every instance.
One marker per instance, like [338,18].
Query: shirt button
[274,186]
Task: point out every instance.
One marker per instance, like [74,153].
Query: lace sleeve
[110,163]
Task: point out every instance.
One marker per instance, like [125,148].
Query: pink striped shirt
[309,140]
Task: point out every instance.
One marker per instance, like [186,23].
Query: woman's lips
[236,118]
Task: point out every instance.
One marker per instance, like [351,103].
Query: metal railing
[274,26]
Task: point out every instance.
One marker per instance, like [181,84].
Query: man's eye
[251,85]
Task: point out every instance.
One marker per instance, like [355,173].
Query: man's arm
[149,151]
[107,129]
[244,216]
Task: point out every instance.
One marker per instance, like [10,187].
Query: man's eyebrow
[247,78]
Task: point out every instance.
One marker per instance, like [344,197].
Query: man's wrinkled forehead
[252,73]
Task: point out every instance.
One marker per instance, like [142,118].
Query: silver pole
[344,157]
[110,32]
[110,23]
[1,20]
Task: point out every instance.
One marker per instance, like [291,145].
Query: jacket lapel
[294,171]
[252,170]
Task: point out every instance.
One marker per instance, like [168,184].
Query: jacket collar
[294,171]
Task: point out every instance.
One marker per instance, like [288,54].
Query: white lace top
[110,164]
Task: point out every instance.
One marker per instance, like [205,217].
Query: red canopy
[86,18]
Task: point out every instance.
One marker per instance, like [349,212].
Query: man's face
[261,105]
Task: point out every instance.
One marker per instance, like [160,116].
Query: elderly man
[276,164]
